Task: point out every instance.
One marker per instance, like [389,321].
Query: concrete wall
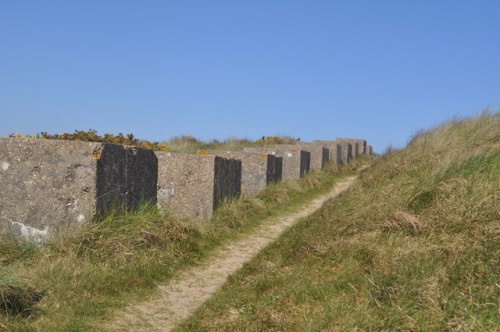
[319,154]
[227,180]
[361,145]
[345,152]
[355,150]
[274,169]
[192,186]
[369,150]
[296,162]
[50,186]
[141,176]
[334,149]
[257,169]
[336,154]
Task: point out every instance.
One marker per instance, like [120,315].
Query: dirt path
[183,295]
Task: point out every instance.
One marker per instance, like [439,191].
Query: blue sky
[214,69]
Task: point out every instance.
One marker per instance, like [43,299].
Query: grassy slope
[414,245]
[121,259]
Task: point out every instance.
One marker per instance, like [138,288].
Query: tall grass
[414,245]
[74,281]
[190,144]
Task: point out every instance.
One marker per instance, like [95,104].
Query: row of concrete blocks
[49,186]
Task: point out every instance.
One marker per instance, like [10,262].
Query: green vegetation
[189,144]
[185,144]
[74,281]
[92,136]
[414,245]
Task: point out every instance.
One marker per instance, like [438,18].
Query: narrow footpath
[177,300]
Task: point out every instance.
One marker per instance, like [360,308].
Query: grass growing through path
[414,245]
[73,282]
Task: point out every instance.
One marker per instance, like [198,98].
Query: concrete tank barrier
[192,186]
[319,154]
[362,150]
[369,150]
[50,186]
[346,152]
[141,176]
[257,169]
[334,149]
[355,149]
[296,162]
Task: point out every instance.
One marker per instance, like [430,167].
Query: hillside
[415,244]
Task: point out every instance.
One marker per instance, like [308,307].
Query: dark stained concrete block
[142,176]
[334,149]
[257,169]
[296,162]
[192,186]
[319,154]
[361,145]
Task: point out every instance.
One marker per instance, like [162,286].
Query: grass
[75,281]
[413,245]
[189,144]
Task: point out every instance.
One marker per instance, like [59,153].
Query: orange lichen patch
[96,155]
[202,152]
[263,155]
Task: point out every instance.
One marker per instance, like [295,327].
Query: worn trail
[177,300]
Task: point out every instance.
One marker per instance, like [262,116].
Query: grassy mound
[414,245]
[121,259]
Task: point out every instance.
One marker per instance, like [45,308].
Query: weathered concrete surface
[369,150]
[274,169]
[50,186]
[257,169]
[296,162]
[361,145]
[346,152]
[334,149]
[319,154]
[192,186]
[141,176]
[227,181]
[355,152]
[336,154]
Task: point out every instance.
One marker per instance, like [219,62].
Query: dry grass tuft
[403,221]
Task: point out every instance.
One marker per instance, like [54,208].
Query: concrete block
[192,186]
[51,186]
[296,162]
[334,149]
[319,154]
[336,154]
[257,169]
[346,152]
[355,152]
[142,176]
[275,169]
[361,145]
[369,150]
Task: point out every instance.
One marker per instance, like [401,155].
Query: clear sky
[214,69]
